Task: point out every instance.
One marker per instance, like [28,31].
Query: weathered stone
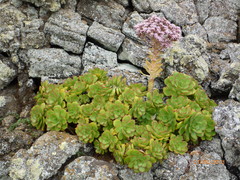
[109,13]
[226,9]
[50,5]
[67,30]
[235,91]
[7,73]
[109,38]
[227,118]
[51,62]
[133,52]
[188,56]
[4,168]
[45,157]
[128,26]
[125,3]
[203,9]
[195,29]
[141,5]
[227,77]
[132,75]
[30,11]
[181,13]
[220,29]
[96,56]
[11,141]
[31,36]
[10,24]
[231,52]
[128,174]
[87,167]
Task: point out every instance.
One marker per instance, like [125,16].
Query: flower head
[158,31]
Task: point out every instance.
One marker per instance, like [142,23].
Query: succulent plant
[177,144]
[138,161]
[125,128]
[87,132]
[180,84]
[56,119]
[137,126]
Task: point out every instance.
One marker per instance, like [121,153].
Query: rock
[87,167]
[125,3]
[227,118]
[181,13]
[133,52]
[51,62]
[231,52]
[188,56]
[7,72]
[203,9]
[235,91]
[67,30]
[95,56]
[220,29]
[128,26]
[10,25]
[128,174]
[195,29]
[31,36]
[141,5]
[132,76]
[45,157]
[226,9]
[109,38]
[11,141]
[108,13]
[227,78]
[50,5]
[4,168]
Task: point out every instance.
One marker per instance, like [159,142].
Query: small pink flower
[158,30]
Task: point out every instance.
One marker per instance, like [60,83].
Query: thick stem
[150,84]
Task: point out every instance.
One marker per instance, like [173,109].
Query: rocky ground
[52,40]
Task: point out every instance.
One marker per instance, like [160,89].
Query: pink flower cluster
[158,31]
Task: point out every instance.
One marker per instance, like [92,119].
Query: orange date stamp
[208,161]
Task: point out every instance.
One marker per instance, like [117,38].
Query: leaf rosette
[56,119]
[138,161]
[177,144]
[157,149]
[180,84]
[108,140]
[38,116]
[168,117]
[87,132]
[159,131]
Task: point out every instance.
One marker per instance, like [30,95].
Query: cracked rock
[67,30]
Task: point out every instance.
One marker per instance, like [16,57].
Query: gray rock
[31,36]
[4,168]
[51,62]
[228,76]
[235,91]
[133,52]
[173,167]
[226,9]
[50,5]
[7,74]
[2,101]
[181,13]
[95,56]
[67,30]
[231,52]
[207,166]
[45,157]
[10,24]
[195,29]
[87,167]
[188,56]
[11,141]
[128,26]
[141,5]
[109,38]
[109,13]
[227,119]
[125,3]
[128,174]
[220,29]
[203,9]
[132,76]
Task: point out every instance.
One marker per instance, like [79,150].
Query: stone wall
[52,40]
